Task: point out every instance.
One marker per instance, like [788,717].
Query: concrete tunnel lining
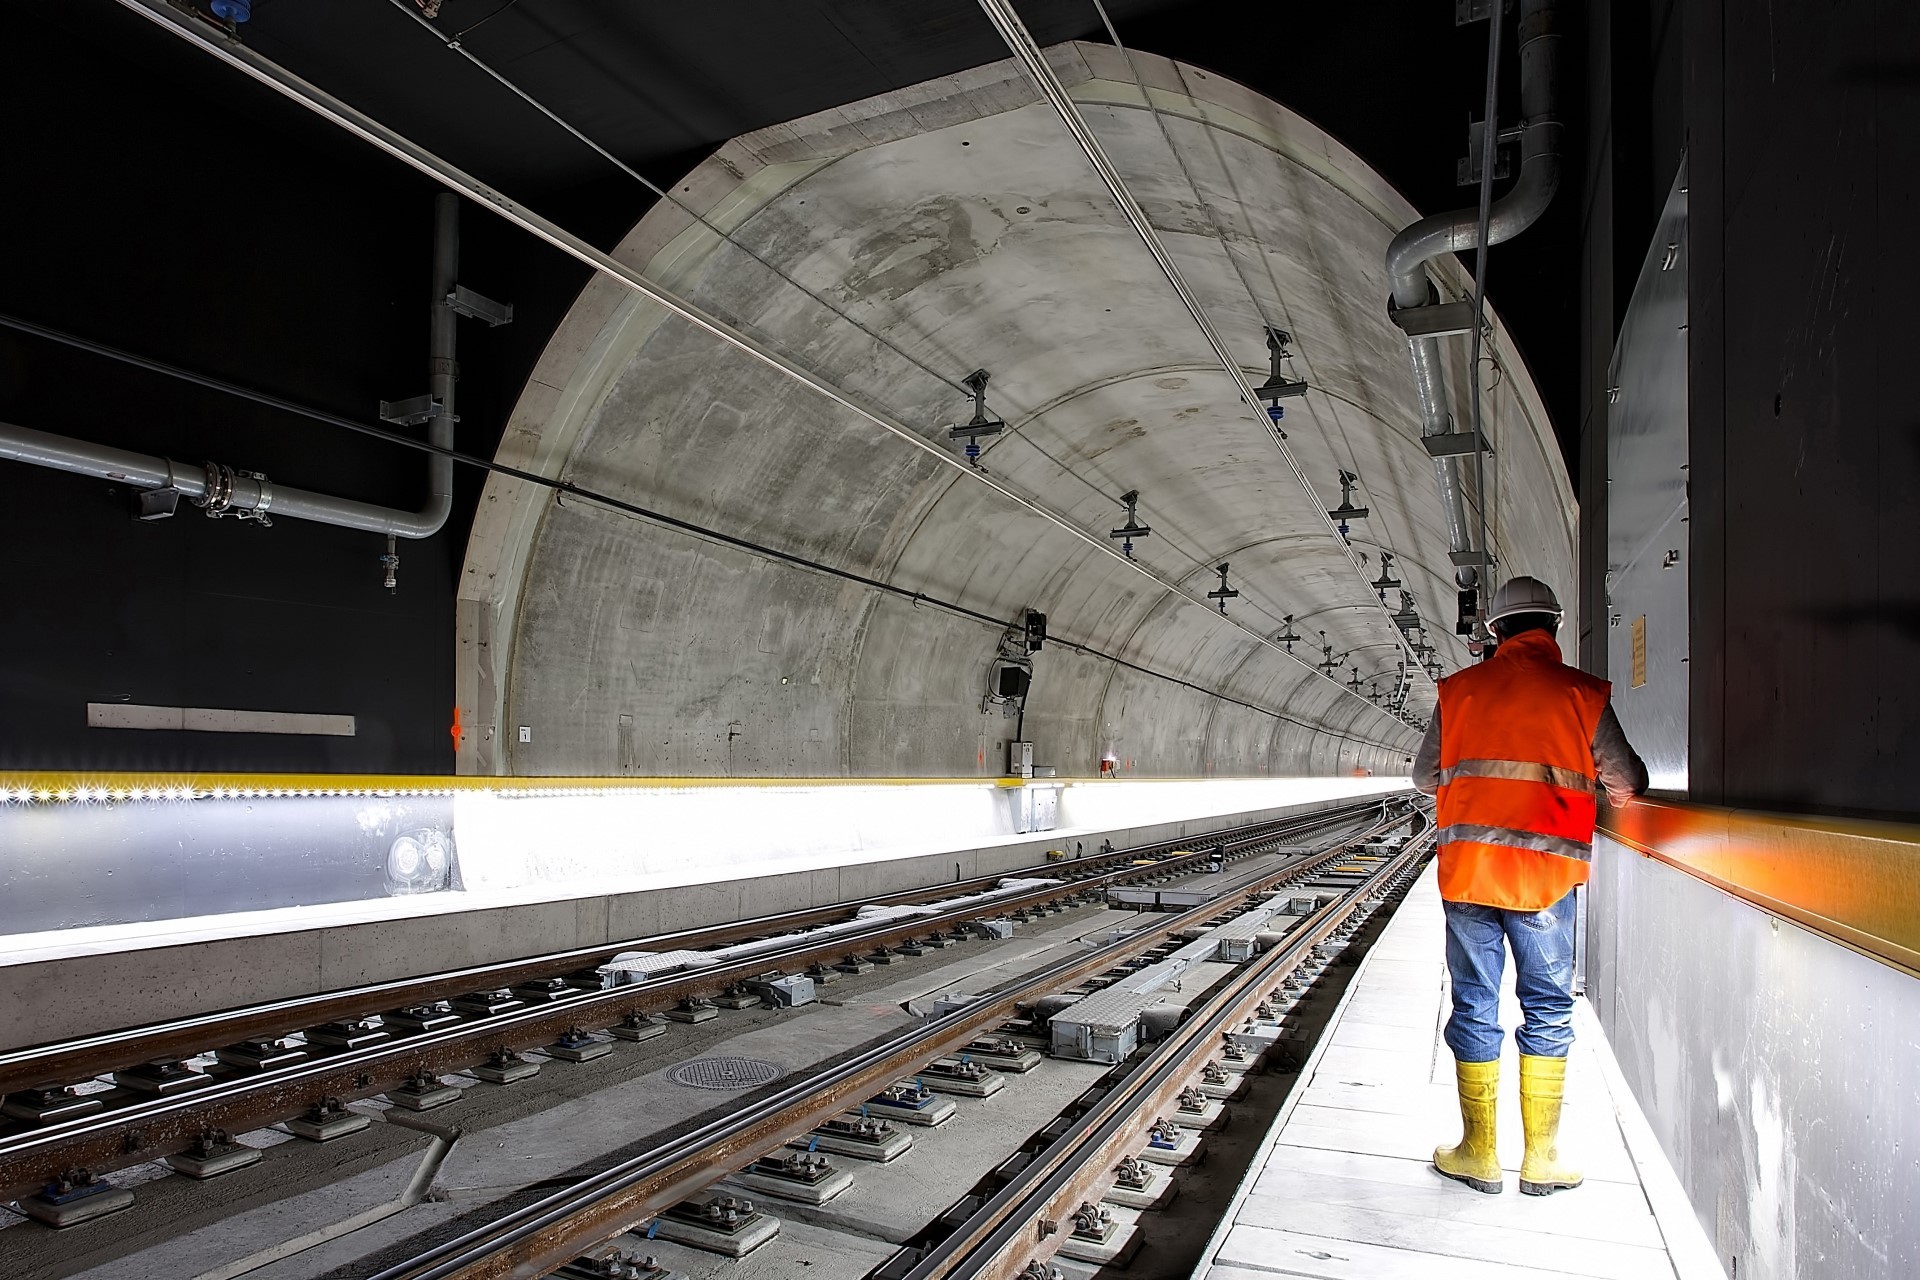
[629,649]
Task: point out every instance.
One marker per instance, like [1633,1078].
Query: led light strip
[31,789]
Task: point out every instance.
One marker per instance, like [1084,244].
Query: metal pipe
[222,489]
[442,369]
[142,471]
[1457,231]
[244,493]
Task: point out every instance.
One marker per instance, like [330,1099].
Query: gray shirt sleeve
[1622,772]
[1426,761]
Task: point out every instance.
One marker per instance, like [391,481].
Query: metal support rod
[241,57]
[1028,54]
[1459,230]
[1494,26]
[442,350]
[415,1191]
[248,492]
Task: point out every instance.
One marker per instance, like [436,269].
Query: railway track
[1002,1239]
[344,1045]
[1015,1231]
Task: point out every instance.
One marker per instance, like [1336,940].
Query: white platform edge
[1279,1122]
[1688,1248]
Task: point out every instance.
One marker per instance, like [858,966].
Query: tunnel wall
[1804,483]
[954,224]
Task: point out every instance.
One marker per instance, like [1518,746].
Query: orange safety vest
[1517,777]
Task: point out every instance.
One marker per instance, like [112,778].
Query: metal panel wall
[1647,545]
[1779,1070]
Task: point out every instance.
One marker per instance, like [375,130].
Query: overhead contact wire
[455,43]
[217,42]
[1220,231]
[633,509]
[1020,41]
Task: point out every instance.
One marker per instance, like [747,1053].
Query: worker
[1518,748]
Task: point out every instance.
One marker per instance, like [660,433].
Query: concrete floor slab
[1344,1188]
[800,1250]
[897,1202]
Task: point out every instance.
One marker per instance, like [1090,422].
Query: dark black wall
[1801,123]
[238,236]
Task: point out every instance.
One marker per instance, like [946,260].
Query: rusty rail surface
[534,1240]
[1853,881]
[144,1129]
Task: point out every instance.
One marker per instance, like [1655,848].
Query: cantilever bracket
[475,306]
[1453,444]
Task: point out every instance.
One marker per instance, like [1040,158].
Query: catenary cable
[634,510]
[1213,219]
[455,44]
[217,42]
[1489,150]
[1006,21]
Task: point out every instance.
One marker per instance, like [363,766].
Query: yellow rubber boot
[1476,1160]
[1543,1083]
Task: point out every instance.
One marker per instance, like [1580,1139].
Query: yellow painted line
[54,782]
[336,782]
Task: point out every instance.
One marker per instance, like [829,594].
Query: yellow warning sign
[1640,651]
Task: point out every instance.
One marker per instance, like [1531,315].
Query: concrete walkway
[1344,1187]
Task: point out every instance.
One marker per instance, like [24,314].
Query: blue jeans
[1542,942]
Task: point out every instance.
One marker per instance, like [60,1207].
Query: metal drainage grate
[726,1073]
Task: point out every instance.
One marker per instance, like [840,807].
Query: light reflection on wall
[94,862]
[81,854]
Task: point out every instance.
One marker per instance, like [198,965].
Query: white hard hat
[1523,595]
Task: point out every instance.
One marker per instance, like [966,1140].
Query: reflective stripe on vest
[1468,833]
[1520,771]
[1516,769]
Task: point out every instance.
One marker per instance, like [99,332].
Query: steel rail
[80,1057]
[220,44]
[152,1128]
[1014,1227]
[536,1238]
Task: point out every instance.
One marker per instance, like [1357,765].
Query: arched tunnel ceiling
[956,226]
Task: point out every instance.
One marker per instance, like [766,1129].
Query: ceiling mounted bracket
[980,424]
[475,306]
[1223,592]
[1132,529]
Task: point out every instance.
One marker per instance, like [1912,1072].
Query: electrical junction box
[1086,1042]
[1020,759]
[784,990]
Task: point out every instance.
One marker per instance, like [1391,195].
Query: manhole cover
[726,1073]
